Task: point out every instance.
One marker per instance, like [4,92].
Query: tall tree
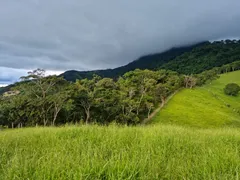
[85,95]
[42,90]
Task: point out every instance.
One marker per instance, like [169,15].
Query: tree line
[51,100]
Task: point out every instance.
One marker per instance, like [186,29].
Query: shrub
[232,89]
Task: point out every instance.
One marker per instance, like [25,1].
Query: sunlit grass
[94,152]
[205,106]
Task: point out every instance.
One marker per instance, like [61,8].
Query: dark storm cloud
[93,34]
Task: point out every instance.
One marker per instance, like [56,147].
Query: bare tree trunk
[45,114]
[54,120]
[45,122]
[163,100]
[139,104]
[55,116]
[56,111]
[149,112]
[87,116]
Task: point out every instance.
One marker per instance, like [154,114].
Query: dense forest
[205,57]
[51,100]
[186,60]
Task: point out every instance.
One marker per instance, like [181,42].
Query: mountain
[186,60]
[152,62]
[205,57]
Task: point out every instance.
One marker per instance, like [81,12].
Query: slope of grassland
[94,152]
[205,106]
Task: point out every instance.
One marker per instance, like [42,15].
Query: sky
[60,35]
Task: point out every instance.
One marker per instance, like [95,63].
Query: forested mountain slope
[205,57]
[186,60]
[151,62]
[205,106]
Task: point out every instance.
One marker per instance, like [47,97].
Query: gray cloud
[92,34]
[10,75]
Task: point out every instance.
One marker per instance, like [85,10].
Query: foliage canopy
[232,89]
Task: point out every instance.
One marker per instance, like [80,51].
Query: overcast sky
[59,35]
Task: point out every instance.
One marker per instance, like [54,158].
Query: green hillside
[205,106]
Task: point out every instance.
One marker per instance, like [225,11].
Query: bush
[3,127]
[232,89]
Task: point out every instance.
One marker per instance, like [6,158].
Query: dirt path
[145,121]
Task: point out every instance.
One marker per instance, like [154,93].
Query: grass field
[205,106]
[94,152]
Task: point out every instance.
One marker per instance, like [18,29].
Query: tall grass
[94,152]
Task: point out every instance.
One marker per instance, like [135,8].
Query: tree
[162,92]
[44,94]
[106,100]
[127,101]
[137,88]
[190,81]
[59,100]
[232,89]
[85,95]
[149,107]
